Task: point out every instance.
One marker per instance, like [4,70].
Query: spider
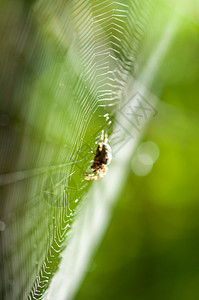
[102,158]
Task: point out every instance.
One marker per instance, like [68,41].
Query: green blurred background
[151,248]
[49,113]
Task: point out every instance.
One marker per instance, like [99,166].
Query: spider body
[102,158]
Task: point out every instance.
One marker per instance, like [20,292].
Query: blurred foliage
[49,119]
[150,250]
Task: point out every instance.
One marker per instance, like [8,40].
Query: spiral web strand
[95,46]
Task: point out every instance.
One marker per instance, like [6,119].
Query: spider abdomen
[103,156]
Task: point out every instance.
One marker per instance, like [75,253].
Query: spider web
[76,60]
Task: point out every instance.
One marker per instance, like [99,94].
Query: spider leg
[104,170]
[86,174]
[102,141]
[102,136]
[98,177]
[92,176]
[89,177]
[106,138]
